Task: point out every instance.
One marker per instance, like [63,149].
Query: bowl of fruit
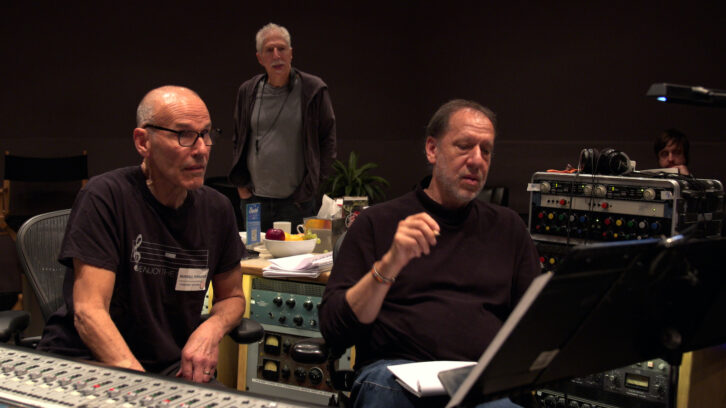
[280,243]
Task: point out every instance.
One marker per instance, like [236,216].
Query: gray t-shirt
[275,158]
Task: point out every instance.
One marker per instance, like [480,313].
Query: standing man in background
[284,134]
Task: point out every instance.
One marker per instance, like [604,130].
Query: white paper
[328,209]
[301,262]
[421,379]
[306,266]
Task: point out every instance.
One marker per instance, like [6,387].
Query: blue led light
[662,98]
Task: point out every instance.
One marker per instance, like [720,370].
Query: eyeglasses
[188,138]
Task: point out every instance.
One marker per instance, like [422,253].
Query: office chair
[223,185]
[495,194]
[39,241]
[36,185]
[491,194]
[316,351]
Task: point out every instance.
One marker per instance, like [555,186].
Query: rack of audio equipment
[577,209]
[580,209]
[288,311]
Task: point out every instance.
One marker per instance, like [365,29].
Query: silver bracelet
[380,278]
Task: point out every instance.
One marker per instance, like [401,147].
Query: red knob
[604,205]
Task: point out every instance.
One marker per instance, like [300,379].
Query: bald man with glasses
[143,244]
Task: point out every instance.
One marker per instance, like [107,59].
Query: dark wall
[560,76]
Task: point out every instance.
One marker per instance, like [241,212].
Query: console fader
[33,379]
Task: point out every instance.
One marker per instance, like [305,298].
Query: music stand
[607,306]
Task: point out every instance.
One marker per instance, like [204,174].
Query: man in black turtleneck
[431,275]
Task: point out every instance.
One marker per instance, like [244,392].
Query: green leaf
[353,180]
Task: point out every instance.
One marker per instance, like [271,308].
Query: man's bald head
[155,100]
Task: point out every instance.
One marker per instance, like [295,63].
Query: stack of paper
[421,379]
[306,266]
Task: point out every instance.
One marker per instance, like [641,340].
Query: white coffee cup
[286,226]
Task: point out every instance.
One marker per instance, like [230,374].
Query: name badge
[191,279]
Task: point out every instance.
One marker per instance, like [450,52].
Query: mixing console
[33,379]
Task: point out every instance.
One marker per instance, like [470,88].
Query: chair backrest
[223,185]
[38,242]
[35,185]
[495,194]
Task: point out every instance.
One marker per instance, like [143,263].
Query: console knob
[277,301]
[600,190]
[290,302]
[308,305]
[316,376]
[648,194]
[587,189]
[285,372]
[298,320]
[282,319]
[300,374]
[545,187]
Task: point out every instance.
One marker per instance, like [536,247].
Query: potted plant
[351,180]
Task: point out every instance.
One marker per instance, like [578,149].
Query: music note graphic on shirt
[158,259]
[135,253]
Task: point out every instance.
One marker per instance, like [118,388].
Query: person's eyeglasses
[188,138]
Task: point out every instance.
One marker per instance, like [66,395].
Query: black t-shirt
[163,259]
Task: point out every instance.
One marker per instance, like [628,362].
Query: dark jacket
[318,122]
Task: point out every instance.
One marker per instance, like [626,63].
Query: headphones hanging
[607,162]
